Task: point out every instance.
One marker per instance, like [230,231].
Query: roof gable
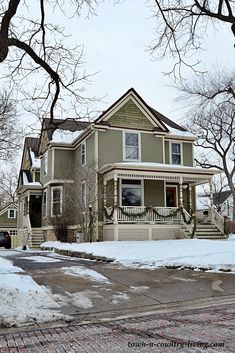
[131,110]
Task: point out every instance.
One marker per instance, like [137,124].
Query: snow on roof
[65,136]
[36,163]
[26,182]
[180,133]
[160,165]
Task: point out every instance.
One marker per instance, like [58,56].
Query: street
[118,309]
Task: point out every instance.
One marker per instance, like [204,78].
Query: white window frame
[45,172]
[11,209]
[61,198]
[44,205]
[124,145]
[181,151]
[83,153]
[142,191]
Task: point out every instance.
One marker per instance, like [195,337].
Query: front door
[171,196]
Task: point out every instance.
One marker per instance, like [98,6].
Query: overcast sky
[116,42]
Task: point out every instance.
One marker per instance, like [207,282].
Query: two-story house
[132,168]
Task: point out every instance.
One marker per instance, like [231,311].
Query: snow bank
[213,255]
[22,300]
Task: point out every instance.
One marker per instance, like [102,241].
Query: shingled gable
[131,94]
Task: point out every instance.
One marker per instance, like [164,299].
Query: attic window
[131,146]
[11,213]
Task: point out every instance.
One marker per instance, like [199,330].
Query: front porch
[149,201]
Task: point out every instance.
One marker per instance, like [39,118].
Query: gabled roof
[157,122]
[166,120]
[220,197]
[32,143]
[7,207]
[67,125]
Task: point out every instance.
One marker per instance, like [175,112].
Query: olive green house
[8,221]
[131,171]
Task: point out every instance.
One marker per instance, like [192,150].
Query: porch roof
[158,171]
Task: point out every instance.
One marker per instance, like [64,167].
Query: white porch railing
[139,214]
[217,220]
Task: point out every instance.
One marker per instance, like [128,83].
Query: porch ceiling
[158,171]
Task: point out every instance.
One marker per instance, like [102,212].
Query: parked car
[5,239]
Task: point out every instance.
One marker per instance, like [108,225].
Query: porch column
[190,196]
[115,200]
[181,192]
[28,201]
[211,193]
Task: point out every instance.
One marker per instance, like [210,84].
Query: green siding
[110,147]
[152,148]
[45,178]
[154,193]
[5,221]
[129,115]
[188,154]
[64,161]
[167,160]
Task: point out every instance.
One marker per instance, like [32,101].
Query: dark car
[5,239]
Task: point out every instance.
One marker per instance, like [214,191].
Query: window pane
[131,139]
[176,159]
[132,153]
[175,148]
[131,195]
[56,195]
[56,208]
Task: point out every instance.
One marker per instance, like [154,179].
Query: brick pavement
[165,332]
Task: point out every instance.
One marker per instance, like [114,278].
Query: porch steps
[208,231]
[37,238]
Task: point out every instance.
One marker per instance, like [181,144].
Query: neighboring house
[132,167]
[222,200]
[8,221]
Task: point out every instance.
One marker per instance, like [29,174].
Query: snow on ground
[213,255]
[85,273]
[37,258]
[22,300]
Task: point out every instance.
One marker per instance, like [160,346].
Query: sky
[116,42]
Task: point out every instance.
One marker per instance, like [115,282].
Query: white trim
[61,198]
[181,151]
[46,204]
[176,188]
[83,144]
[45,164]
[8,213]
[134,132]
[59,181]
[53,163]
[164,185]
[83,197]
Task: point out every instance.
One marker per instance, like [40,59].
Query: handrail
[189,225]
[217,219]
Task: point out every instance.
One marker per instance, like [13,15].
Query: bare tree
[36,53]
[212,119]
[182,25]
[8,185]
[10,134]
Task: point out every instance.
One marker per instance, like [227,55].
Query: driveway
[90,290]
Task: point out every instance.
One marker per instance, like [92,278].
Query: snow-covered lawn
[22,300]
[212,255]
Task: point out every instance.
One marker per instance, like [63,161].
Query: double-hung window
[131,193]
[131,146]
[176,156]
[56,200]
[83,153]
[44,204]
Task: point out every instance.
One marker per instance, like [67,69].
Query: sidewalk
[200,330]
